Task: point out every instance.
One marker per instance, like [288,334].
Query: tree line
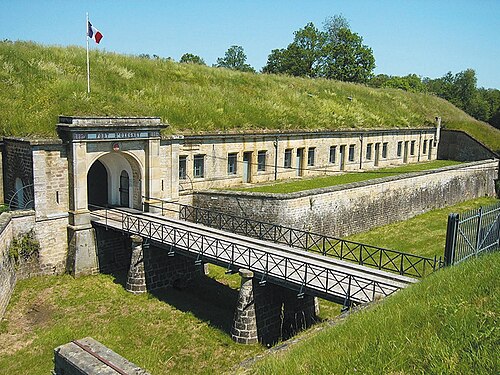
[336,52]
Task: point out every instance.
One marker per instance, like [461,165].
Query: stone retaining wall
[357,207]
[458,145]
[7,273]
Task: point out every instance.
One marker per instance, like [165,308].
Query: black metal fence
[297,272]
[472,233]
[367,255]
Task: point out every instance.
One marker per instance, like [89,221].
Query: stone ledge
[71,359]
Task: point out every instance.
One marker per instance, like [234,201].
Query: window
[199,166]
[288,158]
[351,152]
[231,163]
[400,148]
[369,151]
[333,154]
[310,156]
[412,148]
[261,161]
[182,167]
[384,150]
[424,151]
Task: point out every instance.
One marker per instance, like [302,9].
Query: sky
[424,37]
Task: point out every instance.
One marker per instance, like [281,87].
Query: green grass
[185,335]
[167,332]
[38,83]
[424,234]
[345,178]
[449,323]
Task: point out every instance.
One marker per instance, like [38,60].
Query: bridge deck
[306,272]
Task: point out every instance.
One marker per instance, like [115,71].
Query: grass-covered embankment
[38,83]
[179,332]
[424,234]
[449,323]
[344,178]
[175,332]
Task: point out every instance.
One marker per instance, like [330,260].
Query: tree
[234,58]
[301,56]
[335,53]
[346,58]
[189,58]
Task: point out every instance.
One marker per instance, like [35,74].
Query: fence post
[478,231]
[451,239]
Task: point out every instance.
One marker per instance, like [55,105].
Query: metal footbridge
[307,273]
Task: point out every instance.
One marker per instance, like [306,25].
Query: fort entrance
[112,162]
[114,179]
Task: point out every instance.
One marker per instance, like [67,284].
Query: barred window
[199,166]
[384,150]
[369,151]
[310,156]
[231,163]
[333,154]
[351,152]
[288,158]
[261,161]
[182,167]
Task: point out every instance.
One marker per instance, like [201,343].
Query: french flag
[92,32]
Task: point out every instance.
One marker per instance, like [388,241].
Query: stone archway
[115,179]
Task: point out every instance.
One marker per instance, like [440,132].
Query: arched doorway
[97,185]
[124,189]
[114,179]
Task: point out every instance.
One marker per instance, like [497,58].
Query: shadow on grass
[205,298]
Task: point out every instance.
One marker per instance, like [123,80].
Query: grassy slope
[163,337]
[344,178]
[430,226]
[449,323]
[187,334]
[38,83]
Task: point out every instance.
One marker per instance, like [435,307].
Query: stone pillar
[136,279]
[82,255]
[244,329]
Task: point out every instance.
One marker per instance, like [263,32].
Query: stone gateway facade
[126,162]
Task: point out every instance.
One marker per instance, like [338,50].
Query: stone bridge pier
[270,313]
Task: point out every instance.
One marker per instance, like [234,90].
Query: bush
[24,248]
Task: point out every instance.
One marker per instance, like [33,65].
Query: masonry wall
[321,153]
[14,225]
[7,273]
[347,209]
[279,313]
[458,145]
[50,164]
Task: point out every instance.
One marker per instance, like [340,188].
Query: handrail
[403,263]
[291,269]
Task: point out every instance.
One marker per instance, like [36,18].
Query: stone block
[89,357]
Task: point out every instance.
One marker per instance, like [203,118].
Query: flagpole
[88,61]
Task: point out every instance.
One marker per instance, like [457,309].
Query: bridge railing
[302,275]
[367,255]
